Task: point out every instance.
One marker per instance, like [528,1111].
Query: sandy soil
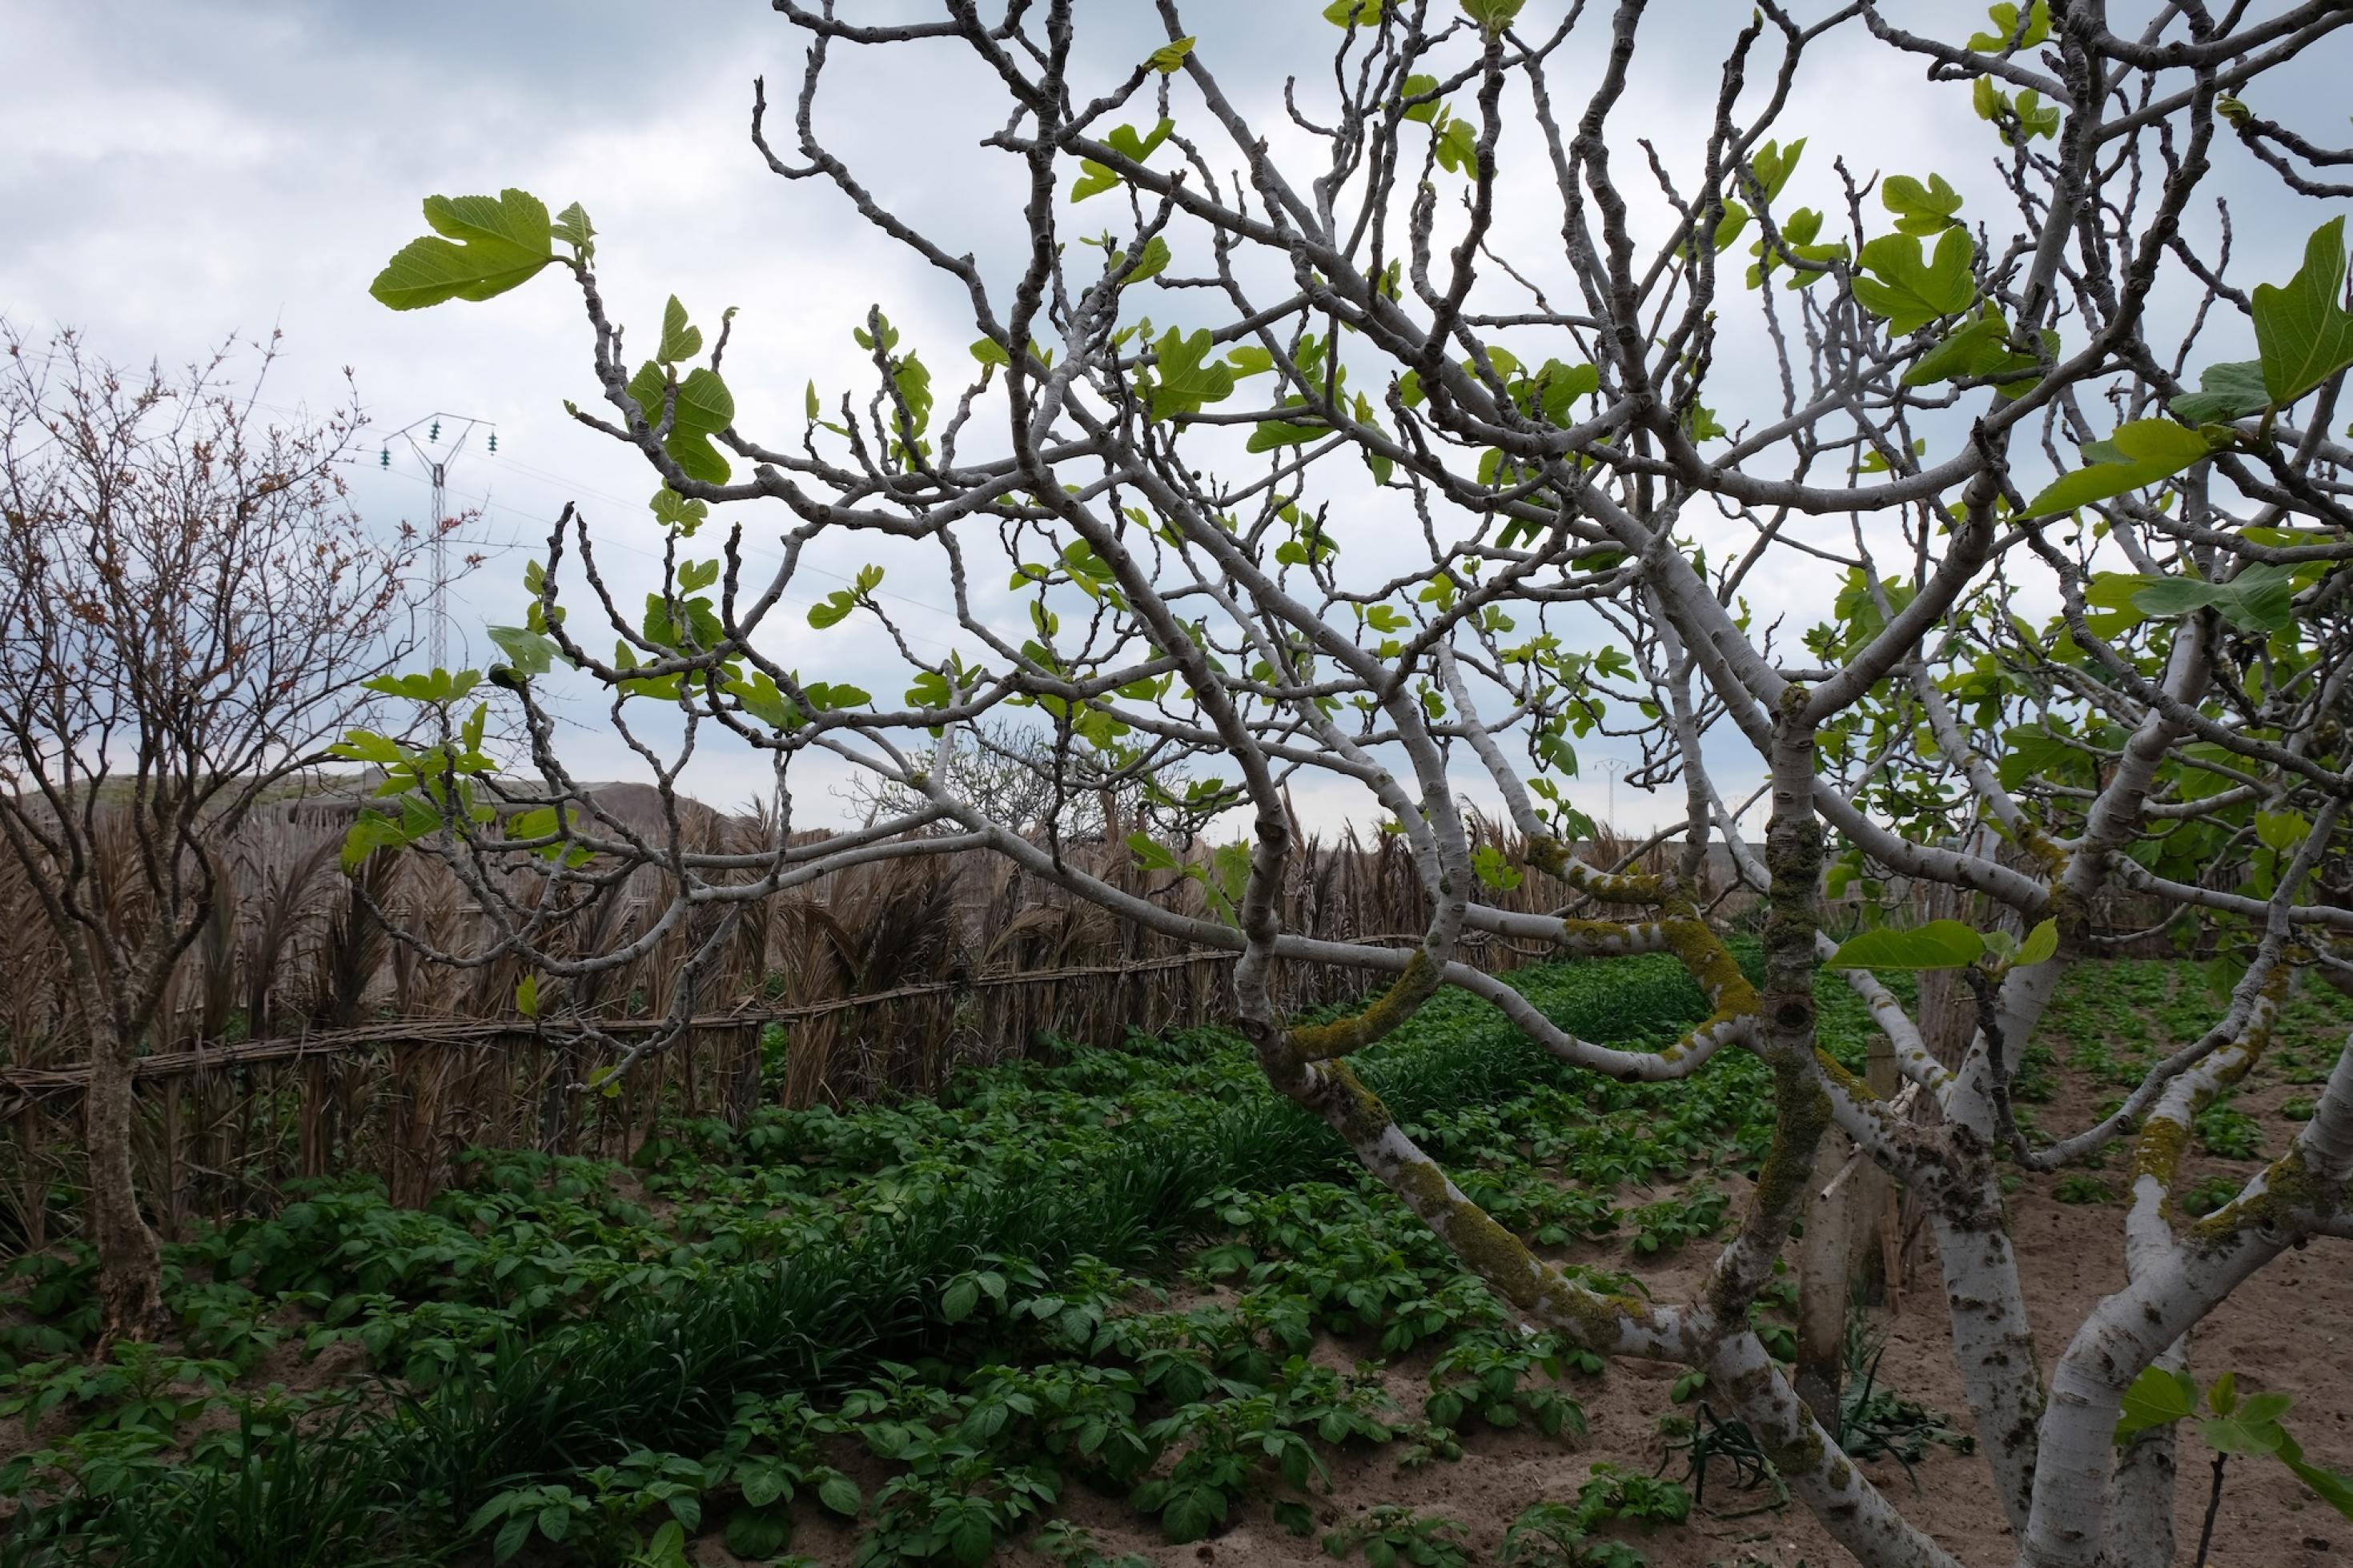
[2291,1329]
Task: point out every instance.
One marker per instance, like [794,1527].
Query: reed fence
[303,1040]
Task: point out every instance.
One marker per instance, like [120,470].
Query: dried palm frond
[355,948]
[274,919]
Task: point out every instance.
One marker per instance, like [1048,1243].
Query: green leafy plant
[1673,1222]
[2229,1133]
[1075,1546]
[1559,1535]
[1502,1377]
[1707,1440]
[1057,1375]
[1227,1444]
[771,1455]
[2081,1187]
[552,1511]
[1945,945]
[1875,1422]
[2234,1426]
[2209,1194]
[1912,288]
[1610,1493]
[1392,1534]
[480,247]
[142,1388]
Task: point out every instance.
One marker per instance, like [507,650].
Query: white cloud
[180,171]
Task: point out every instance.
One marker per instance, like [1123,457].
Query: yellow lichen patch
[1600,936]
[1710,963]
[2044,847]
[1853,1088]
[1800,1120]
[1592,1319]
[2069,910]
[1801,1112]
[1354,1111]
[2290,1197]
[2157,1151]
[1414,986]
[1549,856]
[1553,858]
[1714,1032]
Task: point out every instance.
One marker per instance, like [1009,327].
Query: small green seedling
[2231,1426]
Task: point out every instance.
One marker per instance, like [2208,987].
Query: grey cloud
[179,171]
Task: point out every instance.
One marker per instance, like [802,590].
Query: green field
[1130,1274]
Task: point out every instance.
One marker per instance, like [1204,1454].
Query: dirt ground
[2290,1329]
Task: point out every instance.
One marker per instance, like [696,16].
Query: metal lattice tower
[436,463]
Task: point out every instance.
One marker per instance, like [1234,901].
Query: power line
[750,551]
[574,487]
[436,476]
[505,546]
[794,601]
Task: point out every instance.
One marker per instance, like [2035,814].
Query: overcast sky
[180,171]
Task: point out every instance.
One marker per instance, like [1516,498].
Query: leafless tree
[1035,783]
[190,612]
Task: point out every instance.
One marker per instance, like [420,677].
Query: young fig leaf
[2302,331]
[1939,944]
[2140,453]
[680,341]
[480,247]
